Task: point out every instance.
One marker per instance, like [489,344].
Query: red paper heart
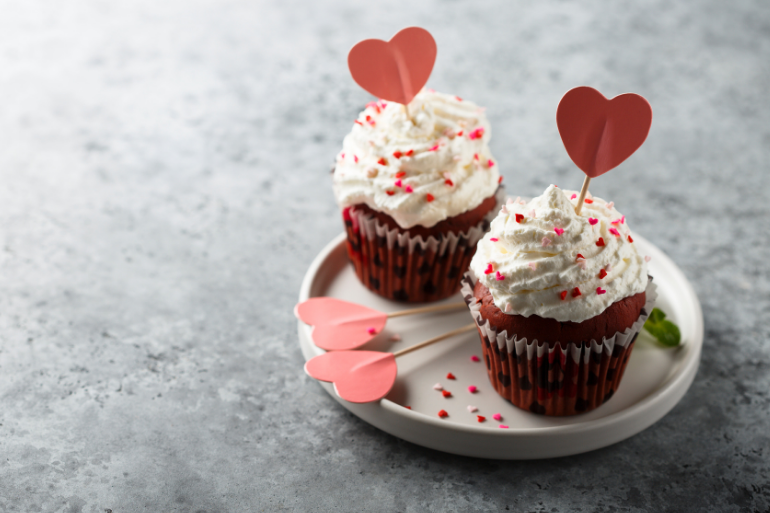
[599,133]
[339,325]
[397,69]
[358,376]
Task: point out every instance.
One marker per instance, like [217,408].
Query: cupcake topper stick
[394,70]
[365,376]
[340,325]
[598,133]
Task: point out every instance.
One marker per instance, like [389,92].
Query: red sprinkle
[600,242]
[409,153]
[443,414]
[476,134]
[390,193]
[630,239]
[489,269]
[589,201]
[460,133]
[382,161]
[446,393]
[563,295]
[397,154]
[480,418]
[576,292]
[429,197]
[600,291]
[579,256]
[401,174]
[494,239]
[475,156]
[449,182]
[500,180]
[602,274]
[490,163]
[358,122]
[519,218]
[450,376]
[408,407]
[458,98]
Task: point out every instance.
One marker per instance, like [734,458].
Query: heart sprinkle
[533,214]
[558,231]
[602,274]
[390,193]
[397,154]
[592,221]
[372,173]
[371,331]
[408,153]
[490,163]
[460,133]
[475,358]
[398,183]
[446,393]
[472,408]
[589,201]
[450,376]
[358,123]
[502,426]
[382,161]
[438,386]
[443,413]
[499,277]
[611,204]
[429,197]
[472,389]
[494,239]
[608,268]
[532,265]
[519,218]
[580,257]
[582,264]
[576,292]
[500,179]
[600,242]
[563,295]
[503,210]
[614,232]
[497,417]
[449,182]
[573,196]
[401,174]
[490,269]
[647,258]
[476,157]
[600,291]
[545,242]
[630,239]
[480,418]
[408,188]
[408,407]
[476,134]
[433,148]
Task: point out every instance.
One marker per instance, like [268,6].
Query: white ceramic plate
[654,381]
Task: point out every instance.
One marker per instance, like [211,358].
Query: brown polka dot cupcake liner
[556,380]
[397,266]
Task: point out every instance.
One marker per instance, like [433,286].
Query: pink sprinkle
[532,265]
[558,231]
[408,188]
[497,417]
[545,242]
[490,163]
[647,258]
[592,221]
[355,158]
[614,232]
[475,156]
[508,308]
[608,268]
[622,219]
[342,155]
[472,389]
[573,196]
[510,201]
[611,204]
[490,269]
[499,277]
[398,183]
[472,408]
[504,209]
[475,358]
[395,337]
[600,291]
[371,331]
[434,148]
[502,426]
[475,134]
[438,386]
[494,239]
[532,213]
[582,263]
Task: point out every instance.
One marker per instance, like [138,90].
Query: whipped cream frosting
[420,171]
[541,258]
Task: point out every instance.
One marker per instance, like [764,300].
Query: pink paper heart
[339,325]
[599,133]
[394,70]
[358,376]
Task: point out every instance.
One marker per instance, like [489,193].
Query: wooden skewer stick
[427,309]
[582,196]
[433,340]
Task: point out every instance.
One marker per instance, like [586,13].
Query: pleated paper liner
[397,266]
[555,380]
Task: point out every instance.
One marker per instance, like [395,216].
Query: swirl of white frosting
[420,171]
[532,267]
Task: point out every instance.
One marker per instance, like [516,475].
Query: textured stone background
[164,185]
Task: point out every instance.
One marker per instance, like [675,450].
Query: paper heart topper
[339,325]
[394,70]
[358,376]
[599,133]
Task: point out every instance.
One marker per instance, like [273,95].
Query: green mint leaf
[665,332]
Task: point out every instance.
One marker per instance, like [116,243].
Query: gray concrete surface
[164,184]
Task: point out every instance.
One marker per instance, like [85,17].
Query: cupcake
[558,299]
[416,193]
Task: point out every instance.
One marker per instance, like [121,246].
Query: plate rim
[677,384]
